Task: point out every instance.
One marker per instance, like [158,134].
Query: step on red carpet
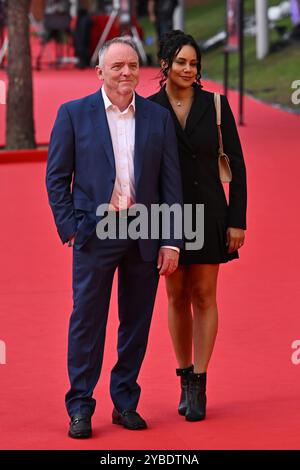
[253,379]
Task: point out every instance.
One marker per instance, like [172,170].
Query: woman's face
[184,68]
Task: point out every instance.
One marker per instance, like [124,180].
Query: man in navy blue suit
[116,148]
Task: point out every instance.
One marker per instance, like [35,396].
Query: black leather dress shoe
[80,427]
[130,419]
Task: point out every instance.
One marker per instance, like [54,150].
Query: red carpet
[253,386]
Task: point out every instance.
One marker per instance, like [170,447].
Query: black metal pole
[241,62]
[226,63]
[226,55]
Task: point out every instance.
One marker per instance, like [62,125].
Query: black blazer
[198,152]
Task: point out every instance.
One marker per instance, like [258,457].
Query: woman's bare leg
[203,281]
[180,315]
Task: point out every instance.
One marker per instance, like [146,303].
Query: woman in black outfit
[191,289]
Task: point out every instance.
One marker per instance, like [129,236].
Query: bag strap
[217,99]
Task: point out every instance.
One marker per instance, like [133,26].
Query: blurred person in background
[161,14]
[57,20]
[82,35]
[295,17]
[3,6]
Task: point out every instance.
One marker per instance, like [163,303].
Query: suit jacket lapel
[164,101]
[141,133]
[198,109]
[100,124]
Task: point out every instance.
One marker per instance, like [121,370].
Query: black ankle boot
[196,408]
[184,382]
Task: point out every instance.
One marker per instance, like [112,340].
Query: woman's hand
[235,238]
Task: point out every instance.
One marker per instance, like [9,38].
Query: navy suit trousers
[94,266]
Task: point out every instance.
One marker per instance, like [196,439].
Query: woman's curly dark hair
[169,46]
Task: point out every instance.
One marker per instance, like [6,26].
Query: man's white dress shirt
[122,131]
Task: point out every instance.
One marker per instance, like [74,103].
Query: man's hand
[235,238]
[167,261]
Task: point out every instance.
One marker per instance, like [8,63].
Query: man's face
[119,70]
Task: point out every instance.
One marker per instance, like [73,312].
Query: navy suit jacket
[81,166]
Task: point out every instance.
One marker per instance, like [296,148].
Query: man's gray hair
[127,40]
